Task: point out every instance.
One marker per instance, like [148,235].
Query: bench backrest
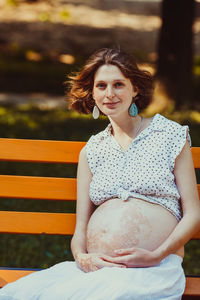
[32,187]
[48,188]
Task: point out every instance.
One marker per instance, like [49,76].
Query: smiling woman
[83,88]
[113,92]
[133,172]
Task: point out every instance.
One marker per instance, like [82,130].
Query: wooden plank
[192,286]
[197,236]
[7,276]
[40,150]
[49,151]
[37,223]
[196,156]
[33,187]
[46,188]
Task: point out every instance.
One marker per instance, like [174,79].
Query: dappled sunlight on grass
[195,115]
[185,114]
[82,14]
[76,115]
[67,59]
[164,105]
[197,70]
[161,102]
[33,55]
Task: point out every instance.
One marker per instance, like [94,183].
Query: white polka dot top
[145,170]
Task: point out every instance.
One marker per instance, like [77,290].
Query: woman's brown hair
[81,84]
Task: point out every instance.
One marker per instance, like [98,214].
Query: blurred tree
[175,50]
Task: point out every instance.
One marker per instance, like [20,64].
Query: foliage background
[40,43]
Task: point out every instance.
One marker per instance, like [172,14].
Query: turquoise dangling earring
[133,110]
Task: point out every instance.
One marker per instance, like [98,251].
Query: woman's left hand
[135,258]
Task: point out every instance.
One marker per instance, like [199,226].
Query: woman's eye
[101,85]
[118,84]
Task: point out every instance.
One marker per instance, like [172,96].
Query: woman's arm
[84,207]
[187,185]
[189,225]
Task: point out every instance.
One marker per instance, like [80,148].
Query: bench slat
[196,156]
[34,187]
[37,223]
[192,286]
[40,150]
[49,151]
[7,276]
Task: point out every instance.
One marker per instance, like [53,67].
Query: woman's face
[112,91]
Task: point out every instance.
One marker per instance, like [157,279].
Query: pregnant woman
[137,200]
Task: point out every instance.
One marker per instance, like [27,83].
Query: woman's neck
[125,127]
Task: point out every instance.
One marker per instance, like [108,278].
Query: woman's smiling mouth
[111,104]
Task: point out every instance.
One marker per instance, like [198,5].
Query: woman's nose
[109,92]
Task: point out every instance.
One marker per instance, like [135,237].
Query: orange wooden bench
[49,188]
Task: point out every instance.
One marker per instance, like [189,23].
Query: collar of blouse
[157,124]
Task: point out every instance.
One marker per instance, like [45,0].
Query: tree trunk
[175,51]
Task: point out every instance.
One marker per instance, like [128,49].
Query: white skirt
[65,281]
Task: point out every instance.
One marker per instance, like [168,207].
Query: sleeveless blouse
[145,170]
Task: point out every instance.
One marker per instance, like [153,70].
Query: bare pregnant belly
[117,224]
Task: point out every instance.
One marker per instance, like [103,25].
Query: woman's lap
[65,281]
[35,283]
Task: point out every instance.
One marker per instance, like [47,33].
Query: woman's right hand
[89,262]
